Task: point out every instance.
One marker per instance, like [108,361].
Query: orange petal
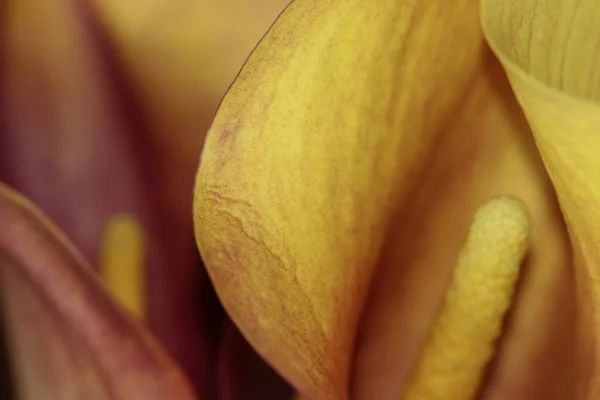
[312,149]
[550,50]
[68,339]
[349,156]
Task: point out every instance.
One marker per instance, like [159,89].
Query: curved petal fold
[67,338]
[312,150]
[551,52]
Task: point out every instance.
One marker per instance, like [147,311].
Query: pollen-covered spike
[122,262]
[454,358]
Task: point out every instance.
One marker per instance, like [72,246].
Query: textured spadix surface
[463,339]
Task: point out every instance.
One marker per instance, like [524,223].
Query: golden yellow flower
[344,167]
[396,199]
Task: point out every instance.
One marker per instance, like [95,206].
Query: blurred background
[104,107]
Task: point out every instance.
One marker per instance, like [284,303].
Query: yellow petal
[67,338]
[550,51]
[310,152]
[484,150]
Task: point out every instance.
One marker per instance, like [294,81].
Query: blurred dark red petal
[67,338]
[71,140]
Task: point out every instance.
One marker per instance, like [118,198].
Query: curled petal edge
[129,361]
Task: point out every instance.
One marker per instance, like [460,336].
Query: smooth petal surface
[180,57]
[72,141]
[313,148]
[60,123]
[551,51]
[68,340]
